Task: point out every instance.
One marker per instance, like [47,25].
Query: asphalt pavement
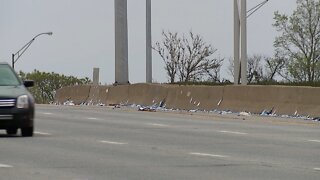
[93,143]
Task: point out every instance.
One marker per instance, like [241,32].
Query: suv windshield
[7,76]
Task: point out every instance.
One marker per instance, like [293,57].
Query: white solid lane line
[42,133]
[5,166]
[233,132]
[207,155]
[314,140]
[113,143]
[159,125]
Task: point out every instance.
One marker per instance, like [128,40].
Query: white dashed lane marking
[313,140]
[316,169]
[207,155]
[233,132]
[159,125]
[42,133]
[47,113]
[113,143]
[5,166]
[92,118]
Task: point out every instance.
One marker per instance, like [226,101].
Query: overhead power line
[256,8]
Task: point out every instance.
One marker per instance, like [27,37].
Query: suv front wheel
[27,132]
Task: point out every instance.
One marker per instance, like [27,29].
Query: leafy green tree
[46,84]
[299,42]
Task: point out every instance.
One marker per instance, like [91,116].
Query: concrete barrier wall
[283,99]
[255,99]
[116,94]
[78,94]
[194,97]
[309,101]
[147,94]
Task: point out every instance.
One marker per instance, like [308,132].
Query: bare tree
[170,50]
[189,59]
[255,68]
[213,70]
[197,61]
[274,66]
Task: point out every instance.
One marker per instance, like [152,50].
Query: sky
[83,33]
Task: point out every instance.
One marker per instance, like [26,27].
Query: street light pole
[19,53]
[240,39]
[243,43]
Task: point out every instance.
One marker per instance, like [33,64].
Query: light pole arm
[19,53]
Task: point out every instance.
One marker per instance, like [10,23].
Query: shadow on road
[9,136]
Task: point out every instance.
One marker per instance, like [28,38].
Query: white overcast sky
[83,32]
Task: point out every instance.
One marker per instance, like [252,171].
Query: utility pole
[148,43]
[236,43]
[243,29]
[121,42]
[240,38]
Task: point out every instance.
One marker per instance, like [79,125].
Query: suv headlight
[23,102]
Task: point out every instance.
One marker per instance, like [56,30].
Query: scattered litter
[68,103]
[225,112]
[245,113]
[148,109]
[285,116]
[316,119]
[268,112]
[219,102]
[161,106]
[116,106]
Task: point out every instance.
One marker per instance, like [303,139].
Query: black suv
[16,103]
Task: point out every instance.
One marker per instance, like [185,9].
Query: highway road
[93,143]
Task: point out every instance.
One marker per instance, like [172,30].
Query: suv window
[7,76]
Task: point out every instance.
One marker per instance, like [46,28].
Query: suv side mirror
[28,83]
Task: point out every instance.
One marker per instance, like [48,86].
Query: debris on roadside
[225,112]
[115,106]
[271,112]
[148,109]
[193,110]
[316,119]
[68,103]
[100,104]
[161,107]
[244,113]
